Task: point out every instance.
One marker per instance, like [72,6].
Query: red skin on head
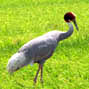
[70,16]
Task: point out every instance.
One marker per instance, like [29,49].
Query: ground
[23,20]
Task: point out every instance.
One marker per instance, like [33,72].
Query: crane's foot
[35,80]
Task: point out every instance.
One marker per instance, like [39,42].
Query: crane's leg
[35,79]
[42,73]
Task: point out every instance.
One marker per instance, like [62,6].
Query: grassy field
[23,20]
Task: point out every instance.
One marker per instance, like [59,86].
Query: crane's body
[42,47]
[38,50]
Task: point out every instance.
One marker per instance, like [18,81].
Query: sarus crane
[41,48]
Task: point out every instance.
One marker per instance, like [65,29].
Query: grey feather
[41,48]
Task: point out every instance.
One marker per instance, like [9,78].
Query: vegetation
[23,20]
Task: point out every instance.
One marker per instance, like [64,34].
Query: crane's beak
[74,21]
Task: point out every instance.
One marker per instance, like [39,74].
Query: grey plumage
[40,49]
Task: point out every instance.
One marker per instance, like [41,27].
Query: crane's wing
[39,49]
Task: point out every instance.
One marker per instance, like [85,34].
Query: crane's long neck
[67,34]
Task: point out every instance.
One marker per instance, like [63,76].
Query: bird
[40,49]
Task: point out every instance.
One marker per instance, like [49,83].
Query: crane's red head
[69,16]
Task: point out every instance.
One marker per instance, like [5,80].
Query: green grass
[23,20]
